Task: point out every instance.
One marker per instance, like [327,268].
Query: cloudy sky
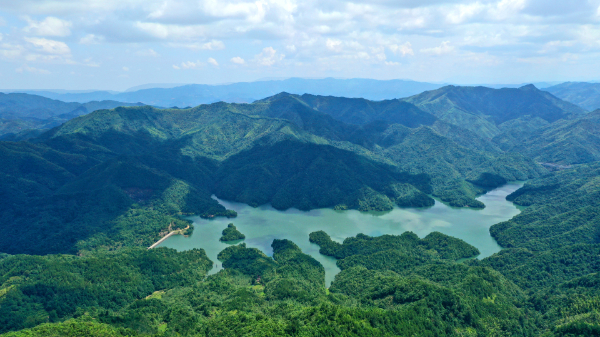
[116,44]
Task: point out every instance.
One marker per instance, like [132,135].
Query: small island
[231,234]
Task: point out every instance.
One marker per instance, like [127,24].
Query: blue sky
[116,44]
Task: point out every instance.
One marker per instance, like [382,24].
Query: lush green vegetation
[586,95]
[85,327]
[106,185]
[482,109]
[37,289]
[22,113]
[161,292]
[564,209]
[563,142]
[231,233]
[381,251]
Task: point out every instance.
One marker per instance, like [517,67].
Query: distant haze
[169,95]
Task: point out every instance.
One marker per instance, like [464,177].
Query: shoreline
[179,231]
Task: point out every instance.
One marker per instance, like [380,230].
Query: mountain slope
[563,142]
[585,95]
[24,105]
[221,130]
[482,110]
[361,111]
[563,209]
[20,112]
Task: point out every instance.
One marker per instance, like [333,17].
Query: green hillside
[482,110]
[585,95]
[89,196]
[563,209]
[361,111]
[563,142]
[20,112]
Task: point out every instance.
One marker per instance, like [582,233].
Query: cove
[263,224]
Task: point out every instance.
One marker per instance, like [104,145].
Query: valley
[358,217]
[263,224]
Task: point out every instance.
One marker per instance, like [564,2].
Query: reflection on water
[263,224]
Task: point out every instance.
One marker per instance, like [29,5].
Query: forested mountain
[105,185]
[563,142]
[97,174]
[20,112]
[361,111]
[563,210]
[586,95]
[484,110]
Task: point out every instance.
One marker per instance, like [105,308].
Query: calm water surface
[263,224]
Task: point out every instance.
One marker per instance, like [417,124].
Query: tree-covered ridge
[231,233]
[22,113]
[18,105]
[556,249]
[85,327]
[123,176]
[258,295]
[585,95]
[407,247]
[360,111]
[482,109]
[308,176]
[389,286]
[35,289]
[563,210]
[126,201]
[563,142]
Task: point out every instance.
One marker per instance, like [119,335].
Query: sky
[117,44]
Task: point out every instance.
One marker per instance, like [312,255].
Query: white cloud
[91,39]
[32,70]
[463,12]
[238,60]
[188,65]
[171,31]
[444,48]
[50,26]
[125,69]
[507,9]
[147,52]
[90,63]
[334,45]
[11,51]
[49,46]
[268,57]
[319,38]
[402,49]
[212,45]
[213,62]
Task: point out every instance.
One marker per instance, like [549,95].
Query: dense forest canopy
[85,199]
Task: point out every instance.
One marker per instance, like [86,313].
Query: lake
[263,224]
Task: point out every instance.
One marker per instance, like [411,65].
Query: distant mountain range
[586,95]
[24,112]
[247,92]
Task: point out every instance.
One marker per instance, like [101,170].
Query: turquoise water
[263,224]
